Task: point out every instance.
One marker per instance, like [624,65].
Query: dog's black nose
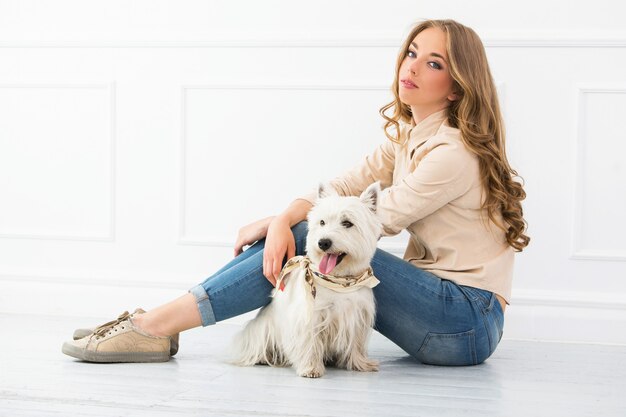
[325,244]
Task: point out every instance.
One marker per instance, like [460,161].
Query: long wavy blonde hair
[476,113]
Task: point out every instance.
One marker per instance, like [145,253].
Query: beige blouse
[431,187]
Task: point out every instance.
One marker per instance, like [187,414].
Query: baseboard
[566,317]
[532,315]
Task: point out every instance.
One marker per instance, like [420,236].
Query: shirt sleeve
[378,166]
[445,173]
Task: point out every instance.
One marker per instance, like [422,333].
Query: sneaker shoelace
[102,330]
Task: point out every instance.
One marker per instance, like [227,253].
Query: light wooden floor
[521,379]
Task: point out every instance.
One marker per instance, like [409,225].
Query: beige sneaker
[119,341]
[80,333]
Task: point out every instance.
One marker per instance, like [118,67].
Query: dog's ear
[369,197]
[326,190]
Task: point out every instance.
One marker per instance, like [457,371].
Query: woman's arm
[378,166]
[445,173]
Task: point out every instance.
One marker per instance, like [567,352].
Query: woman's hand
[251,233]
[278,244]
[279,239]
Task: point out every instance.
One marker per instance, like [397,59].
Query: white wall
[137,137]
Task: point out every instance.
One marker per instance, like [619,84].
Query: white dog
[319,318]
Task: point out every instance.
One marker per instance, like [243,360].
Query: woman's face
[425,83]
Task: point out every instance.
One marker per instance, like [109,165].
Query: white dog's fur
[334,327]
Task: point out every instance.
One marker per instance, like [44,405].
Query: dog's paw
[311,370]
[367,365]
[312,373]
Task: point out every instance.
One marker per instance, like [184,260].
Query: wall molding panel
[579,250]
[102,113]
[218,241]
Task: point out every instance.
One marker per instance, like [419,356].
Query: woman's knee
[300,231]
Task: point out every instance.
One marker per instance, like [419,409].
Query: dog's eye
[346,223]
[322,223]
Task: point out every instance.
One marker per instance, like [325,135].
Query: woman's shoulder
[446,134]
[449,132]
[448,139]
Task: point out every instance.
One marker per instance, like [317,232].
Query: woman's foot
[120,340]
[84,332]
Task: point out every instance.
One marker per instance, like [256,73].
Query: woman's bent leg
[240,287]
[236,288]
[433,319]
[145,337]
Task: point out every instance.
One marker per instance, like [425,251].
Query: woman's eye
[410,53]
[346,224]
[437,66]
[322,223]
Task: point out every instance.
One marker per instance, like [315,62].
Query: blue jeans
[435,320]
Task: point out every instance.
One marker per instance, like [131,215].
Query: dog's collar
[338,284]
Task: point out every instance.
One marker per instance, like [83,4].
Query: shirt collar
[427,127]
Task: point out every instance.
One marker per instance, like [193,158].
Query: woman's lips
[407,84]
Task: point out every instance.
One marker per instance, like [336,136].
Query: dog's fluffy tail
[257,343]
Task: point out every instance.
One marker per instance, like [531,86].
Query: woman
[447,181]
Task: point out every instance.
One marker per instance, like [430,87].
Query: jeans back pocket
[449,349]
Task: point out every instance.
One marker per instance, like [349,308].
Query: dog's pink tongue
[328,262]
